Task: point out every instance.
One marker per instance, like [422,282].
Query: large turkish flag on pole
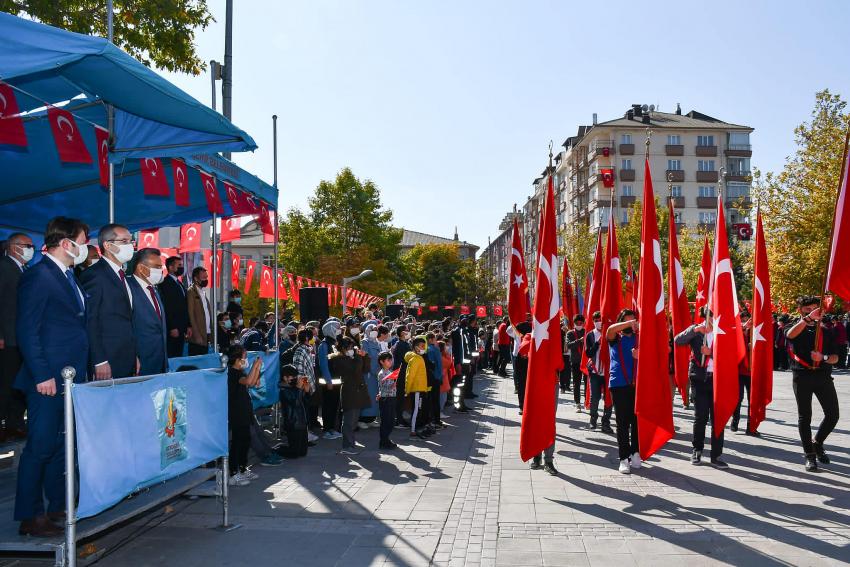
[728,347]
[545,358]
[568,303]
[702,283]
[761,369]
[653,398]
[593,303]
[612,295]
[838,271]
[518,307]
[680,312]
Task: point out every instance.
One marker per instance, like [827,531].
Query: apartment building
[497,255]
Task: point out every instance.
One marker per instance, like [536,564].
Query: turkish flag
[293,291]
[69,142]
[102,138]
[237,200]
[230,229]
[330,295]
[266,283]
[702,283]
[838,271]
[497,310]
[594,300]
[464,309]
[336,292]
[611,301]
[234,270]
[680,311]
[761,367]
[299,282]
[518,306]
[545,358]
[153,178]
[653,398]
[433,308]
[281,287]
[166,253]
[607,177]
[190,237]
[568,299]
[180,173]
[250,268]
[264,219]
[12,131]
[208,265]
[211,193]
[728,346]
[481,311]
[149,238]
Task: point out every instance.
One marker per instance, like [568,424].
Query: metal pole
[276,241]
[109,20]
[213,276]
[344,285]
[110,120]
[214,73]
[226,104]
[225,492]
[68,374]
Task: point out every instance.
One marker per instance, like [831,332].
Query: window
[627,164]
[739,139]
[705,140]
[676,190]
[705,165]
[628,190]
[599,217]
[706,191]
[739,166]
[674,164]
[707,217]
[737,190]
[677,217]
[625,218]
[674,140]
[625,138]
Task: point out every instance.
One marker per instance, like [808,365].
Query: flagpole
[831,237]
[276,239]
[753,304]
[110,120]
[213,291]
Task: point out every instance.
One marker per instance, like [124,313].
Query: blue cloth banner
[267,393]
[200,361]
[130,436]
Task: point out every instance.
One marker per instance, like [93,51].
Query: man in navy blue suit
[51,332]
[110,306]
[148,311]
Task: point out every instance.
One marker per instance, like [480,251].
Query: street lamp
[346,281]
[399,292]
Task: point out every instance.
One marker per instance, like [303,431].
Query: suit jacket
[196,316]
[149,330]
[110,320]
[51,327]
[10,273]
[174,299]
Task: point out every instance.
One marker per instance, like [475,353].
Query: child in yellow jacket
[416,379]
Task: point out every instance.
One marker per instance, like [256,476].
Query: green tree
[797,203]
[156,32]
[433,272]
[478,286]
[579,242]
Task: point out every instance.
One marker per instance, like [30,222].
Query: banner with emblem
[170,407]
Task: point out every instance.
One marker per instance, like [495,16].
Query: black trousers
[174,345]
[596,389]
[240,441]
[504,359]
[627,433]
[434,400]
[470,373]
[822,387]
[12,401]
[743,384]
[578,377]
[565,376]
[387,408]
[330,408]
[703,410]
[195,349]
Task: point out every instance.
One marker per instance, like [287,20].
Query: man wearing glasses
[19,252]
[110,306]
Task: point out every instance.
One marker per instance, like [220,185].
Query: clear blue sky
[449,105]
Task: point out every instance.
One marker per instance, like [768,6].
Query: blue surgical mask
[227,324]
[237,300]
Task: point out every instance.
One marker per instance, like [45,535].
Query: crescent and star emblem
[5,104]
[180,176]
[191,232]
[64,120]
[151,169]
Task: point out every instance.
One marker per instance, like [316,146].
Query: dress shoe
[821,454]
[39,527]
[58,518]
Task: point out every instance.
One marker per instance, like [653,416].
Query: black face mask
[203,283]
[628,332]
[179,271]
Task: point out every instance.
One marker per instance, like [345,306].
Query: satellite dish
[652,108]
[644,108]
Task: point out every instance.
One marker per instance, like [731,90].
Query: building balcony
[706,202]
[706,226]
[627,175]
[626,149]
[627,200]
[742,176]
[675,175]
[739,150]
[598,148]
[707,176]
[706,151]
[674,149]
[678,202]
[738,202]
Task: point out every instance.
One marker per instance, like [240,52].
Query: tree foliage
[432,271]
[478,286]
[156,32]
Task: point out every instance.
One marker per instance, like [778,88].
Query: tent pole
[110,117]
[109,20]
[213,277]
[68,375]
[276,241]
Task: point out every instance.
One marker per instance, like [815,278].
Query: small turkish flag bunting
[249,275]
[69,143]
[11,124]
[180,173]
[266,283]
[230,229]
[211,193]
[153,178]
[190,237]
[149,238]
[102,137]
[234,270]
[281,287]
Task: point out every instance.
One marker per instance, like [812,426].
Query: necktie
[155,302]
[74,289]
[121,275]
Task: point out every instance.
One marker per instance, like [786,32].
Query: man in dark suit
[148,311]
[110,306]
[173,296]
[51,333]
[19,251]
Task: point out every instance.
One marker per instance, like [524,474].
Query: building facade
[411,238]
[497,255]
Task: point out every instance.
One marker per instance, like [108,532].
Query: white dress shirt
[115,267]
[63,268]
[145,285]
[205,303]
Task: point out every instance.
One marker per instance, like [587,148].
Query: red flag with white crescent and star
[266,283]
[180,174]
[237,200]
[703,283]
[102,138]
[153,178]
[728,340]
[234,270]
[545,358]
[653,397]
[838,270]
[264,219]
[680,311]
[211,193]
[190,237]
[12,131]
[518,307]
[281,287]
[594,285]
[149,238]
[66,135]
[761,367]
[611,301]
[293,291]
[231,229]
[250,268]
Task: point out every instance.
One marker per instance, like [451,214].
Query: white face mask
[93,262]
[373,334]
[82,253]
[155,276]
[26,253]
[355,331]
[349,353]
[125,253]
[420,351]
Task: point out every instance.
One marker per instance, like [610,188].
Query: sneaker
[717,463]
[238,480]
[734,426]
[444,416]
[753,433]
[349,451]
[311,437]
[590,426]
[696,458]
[607,429]
[271,460]
[388,446]
[811,463]
[336,434]
[635,461]
[624,467]
[535,464]
[549,467]
[250,475]
[328,435]
[578,409]
[821,454]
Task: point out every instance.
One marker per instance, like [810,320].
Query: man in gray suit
[148,311]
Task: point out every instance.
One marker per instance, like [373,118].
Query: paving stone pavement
[463,497]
